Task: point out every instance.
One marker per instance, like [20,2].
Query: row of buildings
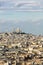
[19,48]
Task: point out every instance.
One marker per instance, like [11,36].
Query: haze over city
[26,14]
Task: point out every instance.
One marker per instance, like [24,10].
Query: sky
[26,14]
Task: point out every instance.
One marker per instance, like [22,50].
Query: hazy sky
[26,14]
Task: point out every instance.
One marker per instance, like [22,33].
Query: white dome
[18,30]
